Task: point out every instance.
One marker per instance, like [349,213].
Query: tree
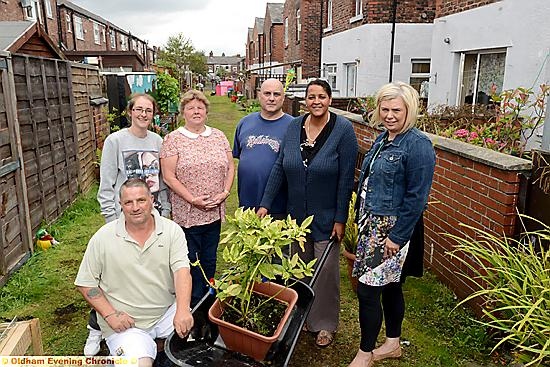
[176,56]
[197,63]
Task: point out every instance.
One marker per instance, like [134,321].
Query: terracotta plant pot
[245,341]
[351,259]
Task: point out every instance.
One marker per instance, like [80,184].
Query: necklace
[311,142]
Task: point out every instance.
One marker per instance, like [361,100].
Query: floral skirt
[370,267]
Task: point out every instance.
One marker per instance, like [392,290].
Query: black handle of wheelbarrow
[321,261]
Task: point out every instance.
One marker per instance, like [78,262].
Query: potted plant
[349,242]
[245,294]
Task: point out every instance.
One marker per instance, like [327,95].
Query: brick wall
[472,185]
[278,47]
[379,11]
[307,47]
[311,38]
[448,7]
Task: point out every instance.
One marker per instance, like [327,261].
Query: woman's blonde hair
[191,95]
[393,90]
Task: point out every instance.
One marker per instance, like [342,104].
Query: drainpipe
[393,16]
[321,38]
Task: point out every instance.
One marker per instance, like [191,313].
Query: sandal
[324,338]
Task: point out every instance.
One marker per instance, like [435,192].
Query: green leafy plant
[513,278]
[351,234]
[253,244]
[167,92]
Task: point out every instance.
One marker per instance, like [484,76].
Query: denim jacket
[399,181]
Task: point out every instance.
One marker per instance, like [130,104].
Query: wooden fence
[47,146]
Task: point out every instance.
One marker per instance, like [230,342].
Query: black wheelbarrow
[204,348]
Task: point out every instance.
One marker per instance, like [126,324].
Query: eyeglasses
[140,110]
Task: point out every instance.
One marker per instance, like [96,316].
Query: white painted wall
[519,26]
[370,44]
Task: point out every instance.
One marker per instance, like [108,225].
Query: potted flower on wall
[349,242]
[246,296]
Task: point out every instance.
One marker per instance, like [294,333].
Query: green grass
[44,288]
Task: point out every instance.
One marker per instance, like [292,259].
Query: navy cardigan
[323,189]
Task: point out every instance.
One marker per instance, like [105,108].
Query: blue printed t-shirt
[257,145]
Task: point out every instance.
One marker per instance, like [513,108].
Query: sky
[211,25]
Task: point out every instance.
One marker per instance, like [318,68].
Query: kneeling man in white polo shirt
[135,274]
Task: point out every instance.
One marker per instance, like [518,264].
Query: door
[351,79]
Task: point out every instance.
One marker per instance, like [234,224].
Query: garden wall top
[475,153]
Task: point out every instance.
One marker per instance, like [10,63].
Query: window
[358,11]
[97,34]
[112,38]
[330,75]
[286,32]
[79,31]
[481,72]
[329,15]
[123,43]
[31,11]
[103,35]
[298,26]
[69,23]
[48,8]
[420,76]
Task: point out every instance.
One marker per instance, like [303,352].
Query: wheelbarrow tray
[204,348]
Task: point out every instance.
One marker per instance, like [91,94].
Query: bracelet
[193,201]
[226,192]
[109,315]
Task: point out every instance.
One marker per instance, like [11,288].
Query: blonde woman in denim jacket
[396,176]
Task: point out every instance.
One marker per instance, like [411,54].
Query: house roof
[250,34]
[11,31]
[89,14]
[275,11]
[15,36]
[224,60]
[259,25]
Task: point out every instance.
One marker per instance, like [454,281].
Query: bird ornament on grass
[44,240]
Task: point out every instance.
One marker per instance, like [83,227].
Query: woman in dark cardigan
[317,163]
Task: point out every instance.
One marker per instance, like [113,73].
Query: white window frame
[358,11]
[49,13]
[123,42]
[331,75]
[417,75]
[286,32]
[97,33]
[78,28]
[69,22]
[298,25]
[112,37]
[31,12]
[460,95]
[329,17]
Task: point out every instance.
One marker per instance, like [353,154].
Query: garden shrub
[513,278]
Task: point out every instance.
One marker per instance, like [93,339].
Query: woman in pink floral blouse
[198,167]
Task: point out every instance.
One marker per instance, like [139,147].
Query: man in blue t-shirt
[258,140]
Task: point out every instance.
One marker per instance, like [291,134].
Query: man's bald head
[271,99]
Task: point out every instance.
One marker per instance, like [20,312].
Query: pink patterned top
[202,168]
